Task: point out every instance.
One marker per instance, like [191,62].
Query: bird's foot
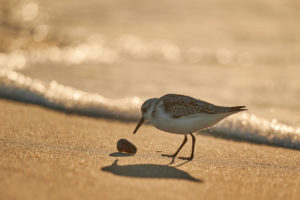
[186,158]
[171,156]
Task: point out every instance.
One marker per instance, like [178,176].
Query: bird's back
[181,105]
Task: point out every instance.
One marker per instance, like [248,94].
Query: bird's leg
[175,154]
[193,147]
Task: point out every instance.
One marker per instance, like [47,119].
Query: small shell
[124,145]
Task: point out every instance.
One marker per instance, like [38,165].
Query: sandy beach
[84,68]
[52,155]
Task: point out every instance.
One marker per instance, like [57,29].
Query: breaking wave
[250,128]
[16,86]
[244,126]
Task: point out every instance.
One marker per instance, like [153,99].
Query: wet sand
[52,155]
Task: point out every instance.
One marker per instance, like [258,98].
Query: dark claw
[171,156]
[186,158]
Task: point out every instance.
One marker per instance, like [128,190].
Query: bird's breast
[186,124]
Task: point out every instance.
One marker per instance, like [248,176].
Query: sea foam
[16,86]
[249,127]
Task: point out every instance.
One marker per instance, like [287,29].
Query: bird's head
[146,110]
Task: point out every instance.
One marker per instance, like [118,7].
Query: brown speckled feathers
[180,106]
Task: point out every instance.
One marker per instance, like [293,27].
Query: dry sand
[46,154]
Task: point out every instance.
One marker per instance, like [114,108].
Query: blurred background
[227,52]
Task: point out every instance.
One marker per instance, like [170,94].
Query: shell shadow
[118,154]
[148,171]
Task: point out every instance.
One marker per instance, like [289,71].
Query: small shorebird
[185,115]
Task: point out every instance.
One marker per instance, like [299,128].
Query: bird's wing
[180,106]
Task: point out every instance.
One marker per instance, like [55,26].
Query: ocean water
[104,58]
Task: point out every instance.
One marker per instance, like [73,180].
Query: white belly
[187,124]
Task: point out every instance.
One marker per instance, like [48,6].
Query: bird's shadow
[149,171]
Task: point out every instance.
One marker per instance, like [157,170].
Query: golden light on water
[15,60]
[223,56]
[40,32]
[30,11]
[171,52]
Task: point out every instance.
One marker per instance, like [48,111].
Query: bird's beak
[139,124]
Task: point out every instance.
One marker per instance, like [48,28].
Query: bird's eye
[144,110]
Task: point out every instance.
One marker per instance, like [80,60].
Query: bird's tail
[237,108]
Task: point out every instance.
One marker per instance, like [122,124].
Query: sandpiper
[182,114]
